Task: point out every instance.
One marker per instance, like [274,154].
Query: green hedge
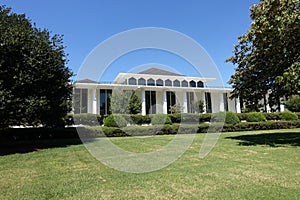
[21,134]
[255,117]
[189,128]
[288,116]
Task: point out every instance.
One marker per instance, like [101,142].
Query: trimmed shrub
[87,119]
[160,119]
[256,117]
[288,116]
[242,116]
[206,117]
[115,120]
[272,116]
[226,117]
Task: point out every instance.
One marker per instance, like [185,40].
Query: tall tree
[268,55]
[34,80]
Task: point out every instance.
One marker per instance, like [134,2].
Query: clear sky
[214,24]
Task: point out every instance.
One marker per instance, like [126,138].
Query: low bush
[255,117]
[242,116]
[206,117]
[288,116]
[85,119]
[115,120]
[225,117]
[272,116]
[160,119]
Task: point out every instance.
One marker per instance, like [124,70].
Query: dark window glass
[142,81]
[225,98]
[200,84]
[184,84]
[150,102]
[176,83]
[151,82]
[208,102]
[192,84]
[171,100]
[132,81]
[168,83]
[105,101]
[159,82]
[190,102]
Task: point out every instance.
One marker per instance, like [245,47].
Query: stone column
[222,105]
[238,105]
[184,102]
[143,102]
[94,101]
[165,104]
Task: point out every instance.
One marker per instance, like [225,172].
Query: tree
[34,79]
[293,104]
[267,56]
[125,102]
[199,106]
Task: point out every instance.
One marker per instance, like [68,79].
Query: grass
[244,165]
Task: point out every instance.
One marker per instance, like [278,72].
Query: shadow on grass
[275,139]
[25,140]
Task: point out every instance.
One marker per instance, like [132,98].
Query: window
[200,84]
[80,100]
[105,101]
[171,100]
[190,102]
[142,81]
[192,84]
[168,82]
[159,82]
[132,81]
[176,83]
[208,102]
[184,84]
[225,98]
[150,102]
[150,82]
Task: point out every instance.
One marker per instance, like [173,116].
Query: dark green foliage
[199,106]
[125,102]
[32,134]
[231,118]
[160,119]
[272,116]
[288,116]
[293,104]
[226,117]
[256,117]
[34,81]
[242,116]
[87,119]
[115,120]
[267,56]
[205,117]
[135,104]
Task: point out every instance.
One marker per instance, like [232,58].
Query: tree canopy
[268,55]
[34,80]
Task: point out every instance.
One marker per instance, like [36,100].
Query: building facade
[158,90]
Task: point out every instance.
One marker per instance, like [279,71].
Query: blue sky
[213,24]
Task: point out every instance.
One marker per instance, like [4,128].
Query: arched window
[200,84]
[150,82]
[184,84]
[176,83]
[141,81]
[132,81]
[159,82]
[168,82]
[192,84]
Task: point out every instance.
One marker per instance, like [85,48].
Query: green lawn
[244,165]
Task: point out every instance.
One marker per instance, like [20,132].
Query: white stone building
[158,90]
